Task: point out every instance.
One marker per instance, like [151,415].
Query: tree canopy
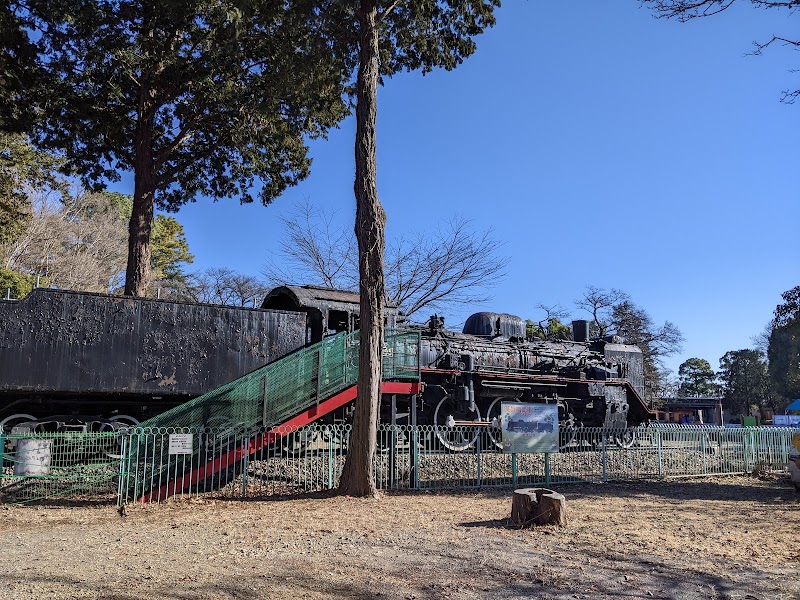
[195,97]
[19,71]
[697,378]
[745,382]
[23,169]
[784,346]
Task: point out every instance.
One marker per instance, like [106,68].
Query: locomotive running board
[270,437]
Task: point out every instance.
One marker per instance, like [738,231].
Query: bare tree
[226,286]
[599,303]
[76,243]
[551,326]
[315,248]
[686,10]
[455,264]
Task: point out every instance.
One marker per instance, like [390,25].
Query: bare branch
[454,265]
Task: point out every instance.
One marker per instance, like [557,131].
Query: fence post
[660,454]
[415,457]
[514,469]
[704,448]
[2,453]
[330,457]
[478,445]
[392,456]
[547,468]
[604,447]
[121,483]
[245,464]
[746,449]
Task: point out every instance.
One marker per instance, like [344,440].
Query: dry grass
[721,538]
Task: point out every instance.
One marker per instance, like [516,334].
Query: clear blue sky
[604,146]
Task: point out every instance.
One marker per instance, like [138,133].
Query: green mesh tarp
[282,389]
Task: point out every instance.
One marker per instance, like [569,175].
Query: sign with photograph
[529,427]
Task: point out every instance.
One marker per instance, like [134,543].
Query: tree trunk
[538,506]
[358,476]
[137,274]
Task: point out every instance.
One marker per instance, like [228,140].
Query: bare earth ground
[711,538]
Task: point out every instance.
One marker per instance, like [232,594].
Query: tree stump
[539,506]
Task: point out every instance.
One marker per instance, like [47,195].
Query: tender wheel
[8,423]
[494,412]
[456,438]
[125,420]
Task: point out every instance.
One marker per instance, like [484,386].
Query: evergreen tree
[697,379]
[195,97]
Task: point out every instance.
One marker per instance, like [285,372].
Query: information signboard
[529,427]
[180,443]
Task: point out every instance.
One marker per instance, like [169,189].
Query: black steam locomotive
[121,359]
[467,376]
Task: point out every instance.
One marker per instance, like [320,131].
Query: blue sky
[605,148]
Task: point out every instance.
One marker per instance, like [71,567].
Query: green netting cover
[282,389]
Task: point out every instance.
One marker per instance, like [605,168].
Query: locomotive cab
[328,311]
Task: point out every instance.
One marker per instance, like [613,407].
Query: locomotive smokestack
[580,331]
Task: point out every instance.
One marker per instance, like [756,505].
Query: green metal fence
[63,466]
[311,459]
[141,462]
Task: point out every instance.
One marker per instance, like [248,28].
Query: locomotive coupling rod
[455,423]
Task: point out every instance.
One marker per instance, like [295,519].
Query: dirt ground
[719,538]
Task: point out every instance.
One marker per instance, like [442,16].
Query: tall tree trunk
[358,476]
[137,274]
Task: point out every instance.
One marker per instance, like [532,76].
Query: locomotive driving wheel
[496,434]
[626,438]
[567,426]
[450,424]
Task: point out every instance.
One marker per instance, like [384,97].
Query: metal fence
[153,464]
[311,459]
[64,467]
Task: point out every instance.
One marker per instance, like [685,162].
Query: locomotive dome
[489,324]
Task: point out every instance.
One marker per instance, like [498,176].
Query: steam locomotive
[98,360]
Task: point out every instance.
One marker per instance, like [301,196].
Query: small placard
[180,443]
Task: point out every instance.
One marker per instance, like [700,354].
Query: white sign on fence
[181,443]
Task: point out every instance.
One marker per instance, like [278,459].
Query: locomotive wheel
[125,420]
[625,439]
[568,432]
[496,434]
[457,438]
[8,423]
